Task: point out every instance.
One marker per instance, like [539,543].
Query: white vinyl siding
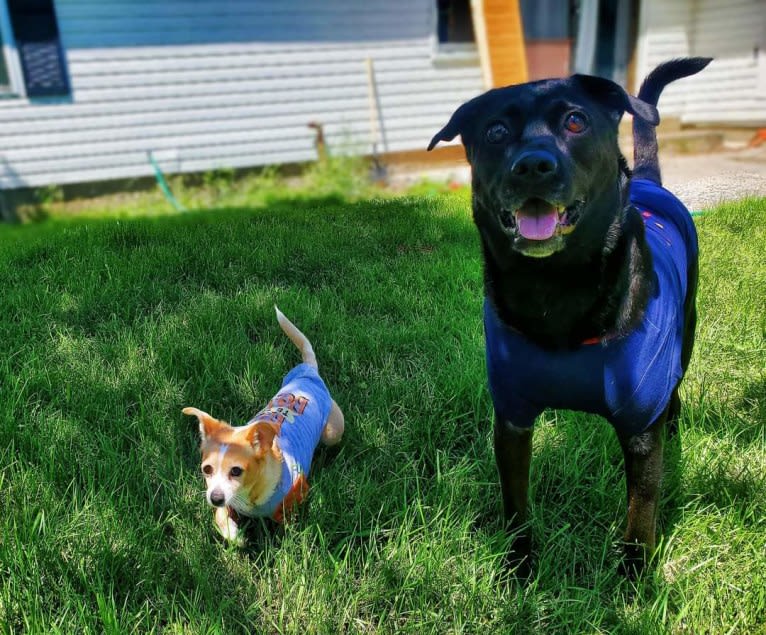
[730,90]
[228,83]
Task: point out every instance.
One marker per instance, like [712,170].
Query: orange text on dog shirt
[285,406]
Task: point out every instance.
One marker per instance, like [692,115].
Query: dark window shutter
[37,39]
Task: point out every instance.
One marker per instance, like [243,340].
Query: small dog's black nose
[535,165]
[217,498]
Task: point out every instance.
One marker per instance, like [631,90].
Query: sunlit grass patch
[110,327]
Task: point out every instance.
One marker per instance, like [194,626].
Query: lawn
[110,326]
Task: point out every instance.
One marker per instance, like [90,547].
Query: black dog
[590,277]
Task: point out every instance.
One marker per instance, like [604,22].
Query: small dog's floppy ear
[207,425]
[263,437]
[614,97]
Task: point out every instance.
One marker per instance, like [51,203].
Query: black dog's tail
[645,162]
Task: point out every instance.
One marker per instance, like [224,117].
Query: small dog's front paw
[228,527]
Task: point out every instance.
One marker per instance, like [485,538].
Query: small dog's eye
[575,122]
[207,470]
[235,472]
[496,133]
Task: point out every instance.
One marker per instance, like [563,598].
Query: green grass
[110,327]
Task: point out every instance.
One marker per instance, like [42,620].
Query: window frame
[451,53]
[16,87]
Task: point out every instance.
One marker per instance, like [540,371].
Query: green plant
[219,180]
[48,194]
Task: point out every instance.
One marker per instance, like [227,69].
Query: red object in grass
[758,138]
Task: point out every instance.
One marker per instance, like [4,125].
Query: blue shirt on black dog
[629,381]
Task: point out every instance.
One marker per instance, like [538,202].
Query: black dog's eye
[235,472]
[496,133]
[575,122]
[207,470]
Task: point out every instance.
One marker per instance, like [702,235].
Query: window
[455,42]
[454,21]
[32,62]
[11,80]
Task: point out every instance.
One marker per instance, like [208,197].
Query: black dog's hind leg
[513,453]
[690,329]
[674,413]
[643,474]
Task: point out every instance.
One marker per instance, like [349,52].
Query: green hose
[164,184]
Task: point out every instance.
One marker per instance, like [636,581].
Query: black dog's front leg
[643,473]
[513,453]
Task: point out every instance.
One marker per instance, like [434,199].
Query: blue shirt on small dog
[301,409]
[629,381]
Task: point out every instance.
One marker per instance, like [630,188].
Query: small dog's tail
[645,162]
[297,338]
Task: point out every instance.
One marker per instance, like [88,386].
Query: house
[625,39]
[732,90]
[89,87]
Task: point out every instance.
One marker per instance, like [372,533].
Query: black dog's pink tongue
[537,220]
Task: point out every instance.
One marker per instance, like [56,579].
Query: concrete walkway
[702,181]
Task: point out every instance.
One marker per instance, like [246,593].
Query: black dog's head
[545,161]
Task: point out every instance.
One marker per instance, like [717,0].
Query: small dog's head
[241,466]
[544,159]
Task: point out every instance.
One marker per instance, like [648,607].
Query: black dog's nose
[217,498]
[535,165]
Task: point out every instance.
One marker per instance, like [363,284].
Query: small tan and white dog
[260,469]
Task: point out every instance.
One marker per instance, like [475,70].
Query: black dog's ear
[614,97]
[448,133]
[454,127]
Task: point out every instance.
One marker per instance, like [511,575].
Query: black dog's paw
[518,558]
[635,560]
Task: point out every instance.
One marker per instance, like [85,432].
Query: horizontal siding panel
[219,134]
[663,35]
[161,39]
[205,7]
[135,166]
[169,157]
[728,89]
[174,160]
[227,159]
[330,33]
[166,23]
[226,120]
[118,169]
[423,80]
[729,10]
[753,117]
[270,58]
[207,102]
[151,53]
[124,119]
[384,69]
[289,21]
[314,103]
[116,11]
[338,30]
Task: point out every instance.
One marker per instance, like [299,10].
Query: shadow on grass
[191,289]
[86,292]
